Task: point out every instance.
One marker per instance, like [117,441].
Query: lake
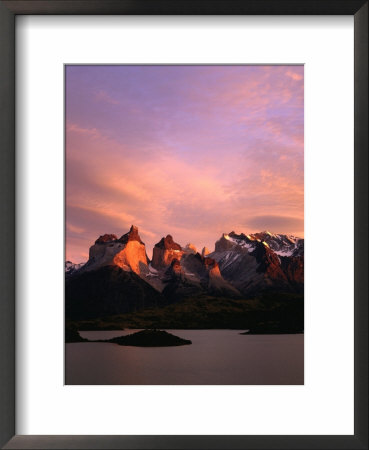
[215,357]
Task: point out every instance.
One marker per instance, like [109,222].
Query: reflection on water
[215,357]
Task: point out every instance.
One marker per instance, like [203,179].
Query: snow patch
[151,269]
[229,258]
[190,274]
[284,252]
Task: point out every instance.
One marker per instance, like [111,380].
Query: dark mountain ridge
[119,278]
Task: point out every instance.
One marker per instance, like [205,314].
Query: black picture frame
[8,12]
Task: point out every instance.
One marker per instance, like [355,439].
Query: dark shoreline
[152,336]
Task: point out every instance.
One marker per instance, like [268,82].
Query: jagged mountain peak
[205,251]
[165,251]
[168,243]
[190,248]
[241,262]
[132,235]
[260,260]
[281,244]
[71,267]
[106,238]
[128,252]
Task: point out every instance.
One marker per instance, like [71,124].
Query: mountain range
[119,277]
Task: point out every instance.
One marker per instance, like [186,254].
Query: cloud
[276,224]
[74,128]
[103,96]
[74,229]
[295,76]
[192,152]
[192,201]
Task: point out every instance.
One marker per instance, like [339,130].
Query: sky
[191,151]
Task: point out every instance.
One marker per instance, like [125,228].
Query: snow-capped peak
[71,267]
[281,244]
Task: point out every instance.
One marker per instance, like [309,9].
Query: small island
[72,335]
[271,327]
[149,338]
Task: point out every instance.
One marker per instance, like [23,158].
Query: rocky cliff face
[71,268]
[261,261]
[164,252]
[106,238]
[205,251]
[190,248]
[293,267]
[128,252]
[196,274]
[178,271]
[241,266]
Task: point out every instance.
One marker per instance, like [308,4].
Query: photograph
[174,156]
[184,224]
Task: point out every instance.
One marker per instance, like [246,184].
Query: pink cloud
[74,229]
[194,160]
[191,201]
[74,128]
[103,96]
[295,76]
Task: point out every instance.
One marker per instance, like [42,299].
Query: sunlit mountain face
[119,277]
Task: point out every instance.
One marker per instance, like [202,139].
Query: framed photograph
[184,223]
[192,150]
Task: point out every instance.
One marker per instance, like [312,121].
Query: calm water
[215,357]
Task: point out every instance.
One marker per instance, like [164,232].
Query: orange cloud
[295,76]
[193,156]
